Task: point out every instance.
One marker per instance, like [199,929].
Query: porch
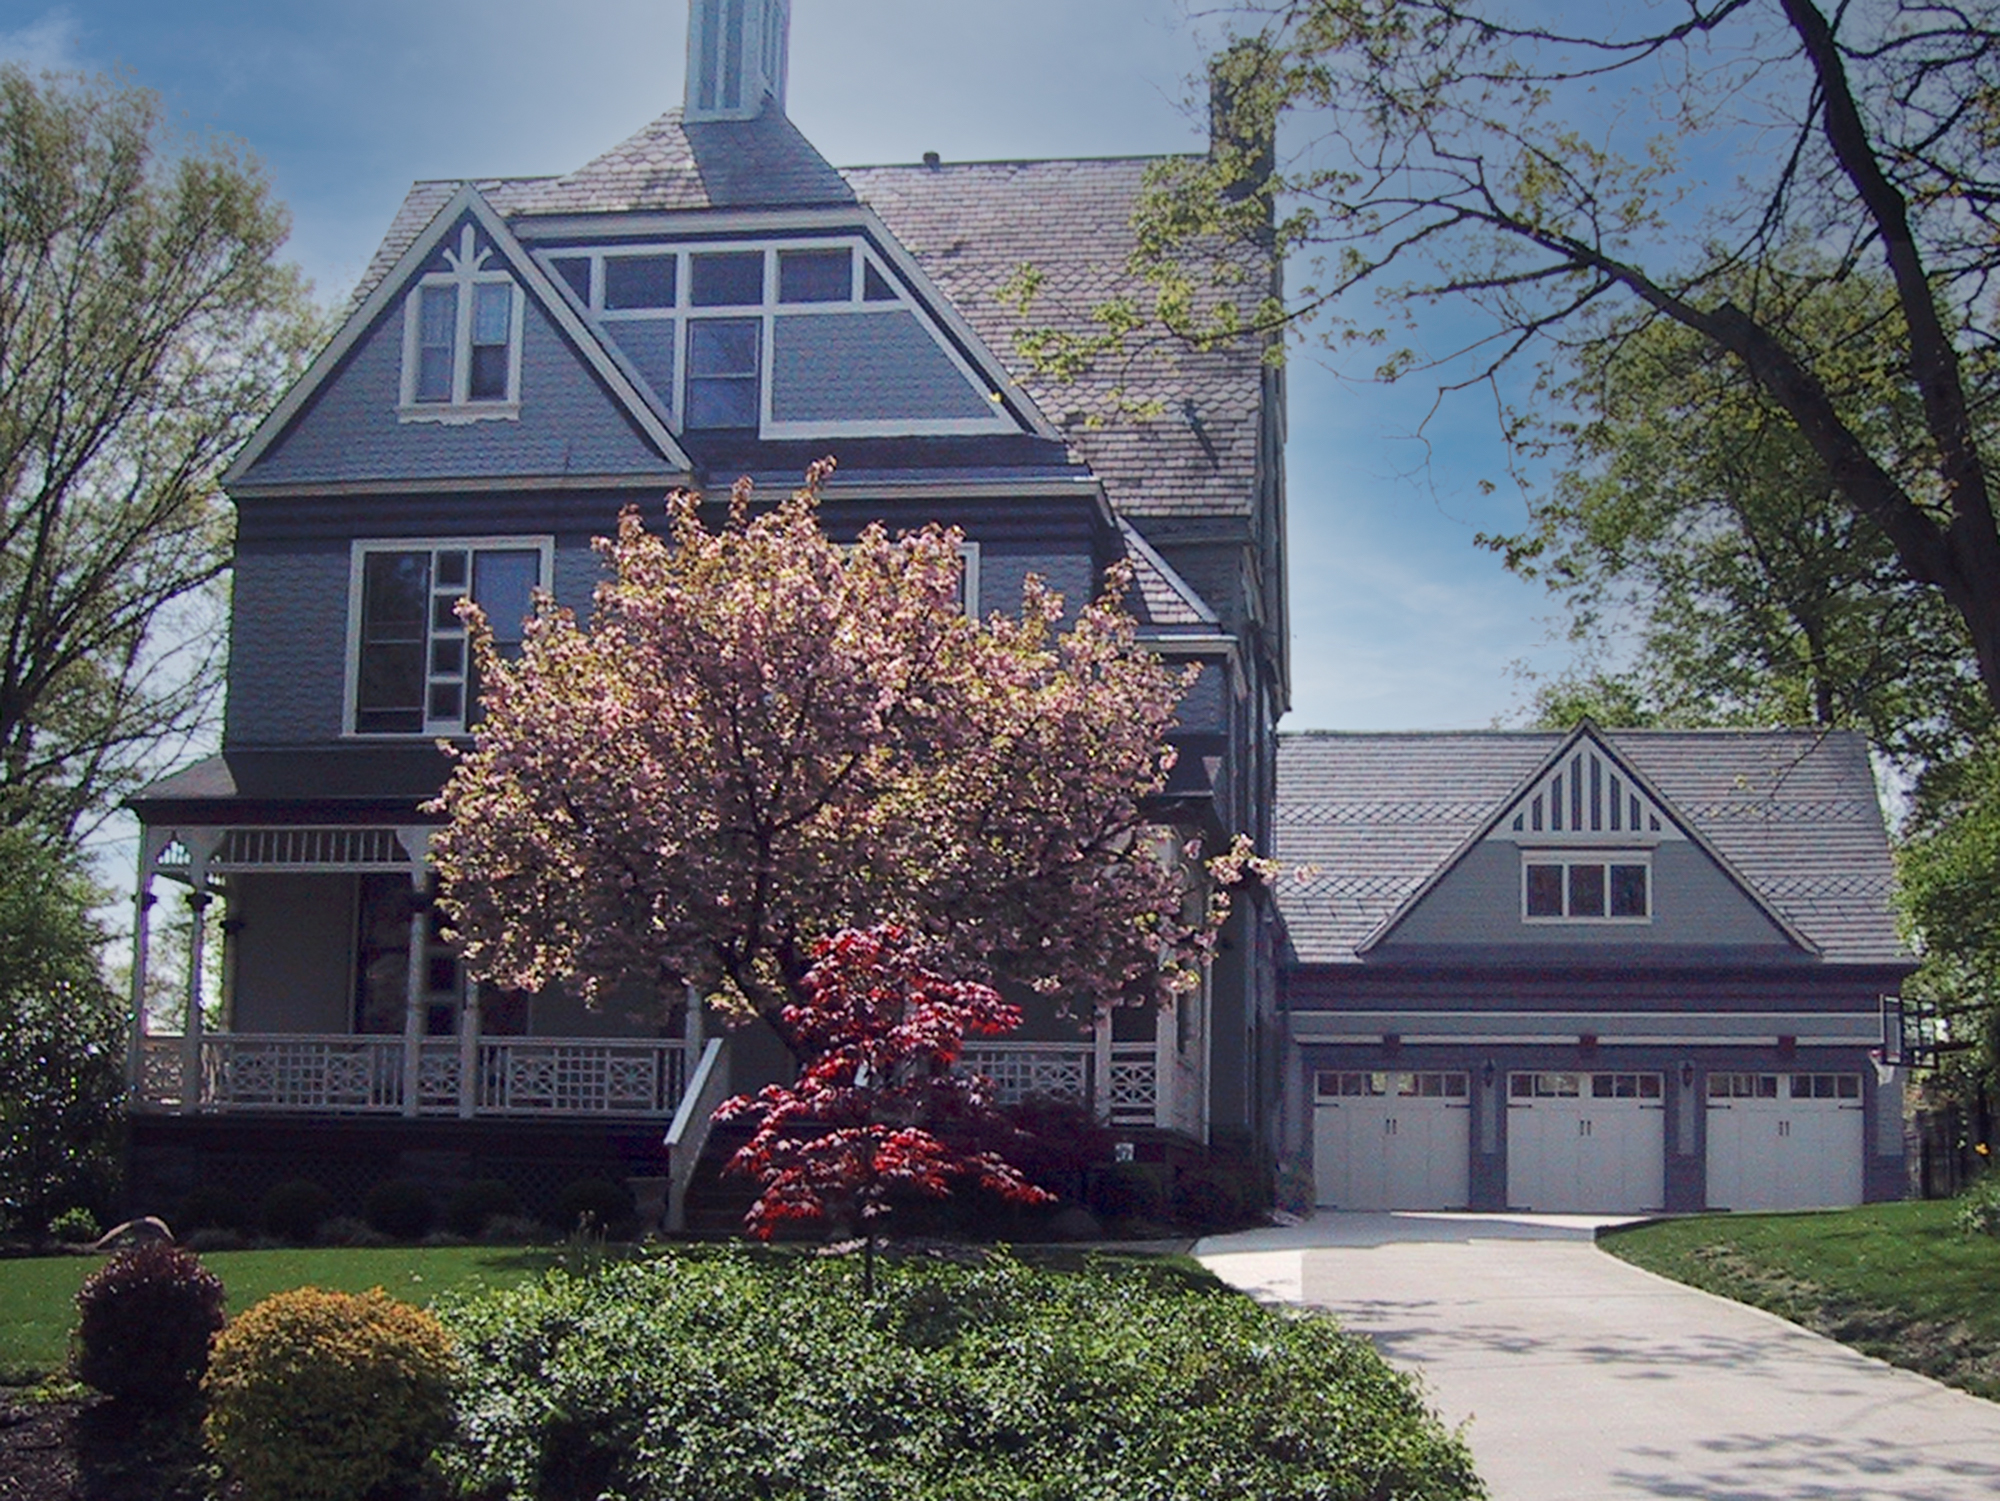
[469,1077]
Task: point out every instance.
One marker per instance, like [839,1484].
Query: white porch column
[1100,1066]
[1166,1062]
[200,844]
[413,992]
[142,910]
[416,842]
[468,1052]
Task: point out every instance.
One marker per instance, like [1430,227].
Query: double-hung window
[462,340]
[410,663]
[1576,887]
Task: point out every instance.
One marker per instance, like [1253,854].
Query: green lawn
[37,1295]
[1898,1281]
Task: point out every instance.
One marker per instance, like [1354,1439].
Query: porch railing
[511,1076]
[1128,1093]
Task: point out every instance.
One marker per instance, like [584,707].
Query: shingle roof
[973,226]
[1374,815]
[668,166]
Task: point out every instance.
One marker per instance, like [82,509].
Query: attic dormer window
[462,340]
[1586,887]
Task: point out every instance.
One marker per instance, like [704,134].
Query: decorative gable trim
[1581,750]
[1586,796]
[467,200]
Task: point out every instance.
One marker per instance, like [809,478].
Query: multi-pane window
[412,671]
[1573,888]
[701,323]
[723,372]
[462,339]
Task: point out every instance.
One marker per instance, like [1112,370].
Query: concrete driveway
[1579,1378]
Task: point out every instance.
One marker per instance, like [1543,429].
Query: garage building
[1602,971]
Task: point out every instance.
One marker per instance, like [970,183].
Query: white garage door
[1392,1140]
[1586,1143]
[1784,1141]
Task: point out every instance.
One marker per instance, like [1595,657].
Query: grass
[38,1308]
[1897,1281]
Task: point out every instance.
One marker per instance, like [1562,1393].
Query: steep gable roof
[466,201]
[973,226]
[1377,816]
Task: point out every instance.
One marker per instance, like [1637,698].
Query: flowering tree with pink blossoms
[864,1119]
[760,737]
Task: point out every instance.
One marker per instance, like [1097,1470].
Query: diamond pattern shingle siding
[1372,817]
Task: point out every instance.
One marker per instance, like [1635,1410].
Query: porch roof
[319,785]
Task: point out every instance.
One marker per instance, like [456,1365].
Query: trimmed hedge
[734,1378]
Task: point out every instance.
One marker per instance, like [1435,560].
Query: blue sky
[1399,622]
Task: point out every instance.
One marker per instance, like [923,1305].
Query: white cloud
[49,42]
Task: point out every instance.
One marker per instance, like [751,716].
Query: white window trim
[358,551]
[1586,855]
[467,271]
[769,310]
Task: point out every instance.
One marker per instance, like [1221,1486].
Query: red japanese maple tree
[884,1037]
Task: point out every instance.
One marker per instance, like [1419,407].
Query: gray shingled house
[523,359]
[1607,971]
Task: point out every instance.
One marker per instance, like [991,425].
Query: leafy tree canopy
[1692,514]
[762,737]
[62,1068]
[145,324]
[1571,173]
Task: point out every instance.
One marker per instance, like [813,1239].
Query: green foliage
[1948,871]
[1208,1200]
[75,1227]
[145,323]
[1127,1191]
[328,1396]
[1692,513]
[144,1322]
[62,1042]
[212,1207]
[400,1209]
[1979,1207]
[732,1379]
[473,1205]
[608,1206]
[294,1210]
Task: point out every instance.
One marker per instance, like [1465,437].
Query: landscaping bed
[738,1372]
[1902,1282]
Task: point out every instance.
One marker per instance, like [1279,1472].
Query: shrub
[144,1322]
[477,1202]
[732,1378]
[400,1209]
[346,1230]
[293,1211]
[1208,1200]
[1979,1207]
[75,1227]
[327,1396]
[212,1208]
[609,1205]
[1127,1191]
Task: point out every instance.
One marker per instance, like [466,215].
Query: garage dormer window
[462,340]
[1592,887]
